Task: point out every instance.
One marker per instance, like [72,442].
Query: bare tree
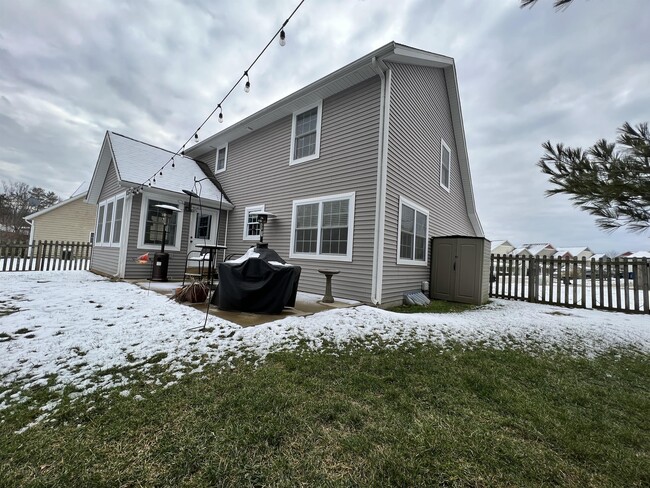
[17,201]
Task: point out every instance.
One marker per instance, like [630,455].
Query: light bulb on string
[220,114]
[247,86]
[173,163]
[154,180]
[150,182]
[196,136]
[161,172]
[283,37]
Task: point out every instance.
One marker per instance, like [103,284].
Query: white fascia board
[461,147]
[282,107]
[99,173]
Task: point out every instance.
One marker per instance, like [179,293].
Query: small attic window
[222,155]
[445,165]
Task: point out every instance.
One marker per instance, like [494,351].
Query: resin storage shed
[460,269]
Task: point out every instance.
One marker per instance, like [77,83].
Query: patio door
[203,229]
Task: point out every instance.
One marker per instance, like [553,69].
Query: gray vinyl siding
[111,185]
[420,116]
[133,270]
[258,172]
[105,259]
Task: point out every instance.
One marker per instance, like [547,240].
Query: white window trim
[422,210]
[248,210]
[317,256]
[99,224]
[316,154]
[443,144]
[143,221]
[104,203]
[225,160]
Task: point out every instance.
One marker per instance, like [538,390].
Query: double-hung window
[305,133]
[222,154]
[322,228]
[412,235]
[109,221]
[251,225]
[445,165]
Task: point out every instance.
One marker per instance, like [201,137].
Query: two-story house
[360,168]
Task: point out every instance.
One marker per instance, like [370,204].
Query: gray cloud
[154,70]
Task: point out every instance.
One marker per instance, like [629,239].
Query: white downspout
[31,236]
[382,163]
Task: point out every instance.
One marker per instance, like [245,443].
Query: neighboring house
[541,250]
[501,247]
[639,255]
[71,220]
[361,168]
[576,252]
[520,251]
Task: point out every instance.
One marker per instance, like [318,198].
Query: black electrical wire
[218,107]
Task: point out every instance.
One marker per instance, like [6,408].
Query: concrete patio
[306,304]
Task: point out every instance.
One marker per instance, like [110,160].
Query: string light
[282,39]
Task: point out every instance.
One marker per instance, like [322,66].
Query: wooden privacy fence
[612,284]
[45,256]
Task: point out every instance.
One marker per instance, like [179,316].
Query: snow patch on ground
[81,333]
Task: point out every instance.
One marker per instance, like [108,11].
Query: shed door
[468,269]
[442,269]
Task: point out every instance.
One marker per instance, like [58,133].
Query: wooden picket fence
[45,256]
[621,284]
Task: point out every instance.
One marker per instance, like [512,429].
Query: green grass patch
[436,306]
[408,417]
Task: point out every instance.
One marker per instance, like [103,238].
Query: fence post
[645,267]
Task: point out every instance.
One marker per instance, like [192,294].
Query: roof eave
[384,52]
[54,207]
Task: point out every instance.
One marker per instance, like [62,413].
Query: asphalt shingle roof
[138,161]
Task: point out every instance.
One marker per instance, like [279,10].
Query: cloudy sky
[153,70]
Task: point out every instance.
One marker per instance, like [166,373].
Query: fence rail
[45,256]
[612,284]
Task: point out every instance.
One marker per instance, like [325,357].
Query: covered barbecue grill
[258,282]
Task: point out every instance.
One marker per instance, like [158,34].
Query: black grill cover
[257,286]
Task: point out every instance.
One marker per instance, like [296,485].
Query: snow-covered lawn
[73,329]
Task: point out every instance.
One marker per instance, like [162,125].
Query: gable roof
[574,251]
[136,161]
[360,70]
[495,244]
[639,254]
[536,248]
[75,196]
[519,251]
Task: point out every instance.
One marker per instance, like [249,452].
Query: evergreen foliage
[608,180]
